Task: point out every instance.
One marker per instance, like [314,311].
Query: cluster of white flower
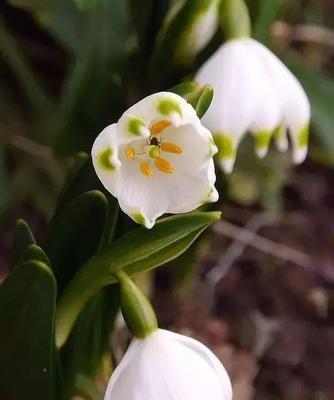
[158,158]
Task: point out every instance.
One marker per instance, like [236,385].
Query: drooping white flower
[254,92]
[169,366]
[157,159]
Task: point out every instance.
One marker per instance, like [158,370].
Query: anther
[159,126]
[164,166]
[130,153]
[145,169]
[171,148]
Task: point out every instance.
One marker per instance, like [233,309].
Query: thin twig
[247,236]
[304,33]
[27,145]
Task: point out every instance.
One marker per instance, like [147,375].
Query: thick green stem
[234,18]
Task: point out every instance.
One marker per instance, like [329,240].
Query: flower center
[150,152]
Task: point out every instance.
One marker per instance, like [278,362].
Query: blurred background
[259,287]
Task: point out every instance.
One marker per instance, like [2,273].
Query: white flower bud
[169,366]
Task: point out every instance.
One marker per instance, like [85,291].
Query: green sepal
[139,250]
[23,237]
[136,309]
[27,309]
[235,19]
[198,96]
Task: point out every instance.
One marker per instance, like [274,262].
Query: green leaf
[35,253]
[140,249]
[23,237]
[89,338]
[92,93]
[75,235]
[198,96]
[32,87]
[27,307]
[85,5]
[82,178]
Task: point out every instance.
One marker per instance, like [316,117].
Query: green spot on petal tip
[135,126]
[262,139]
[303,136]
[139,218]
[226,147]
[105,159]
[169,106]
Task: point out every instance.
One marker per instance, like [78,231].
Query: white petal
[281,138]
[143,198]
[233,105]
[105,158]
[189,191]
[156,107]
[294,101]
[197,147]
[164,367]
[212,360]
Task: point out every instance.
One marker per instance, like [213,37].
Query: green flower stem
[234,18]
[137,311]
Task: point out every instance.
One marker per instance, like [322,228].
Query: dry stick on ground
[247,236]
[304,33]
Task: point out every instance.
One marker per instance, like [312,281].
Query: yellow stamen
[130,153]
[159,126]
[171,148]
[164,166]
[145,169]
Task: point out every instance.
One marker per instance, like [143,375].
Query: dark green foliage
[27,306]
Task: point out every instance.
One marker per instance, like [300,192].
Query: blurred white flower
[254,92]
[157,159]
[169,366]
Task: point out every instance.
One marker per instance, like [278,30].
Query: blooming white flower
[255,92]
[169,366]
[157,159]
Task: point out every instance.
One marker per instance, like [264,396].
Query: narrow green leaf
[27,307]
[23,237]
[204,101]
[75,235]
[137,250]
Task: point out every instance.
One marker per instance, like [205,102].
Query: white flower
[157,159]
[169,366]
[255,92]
